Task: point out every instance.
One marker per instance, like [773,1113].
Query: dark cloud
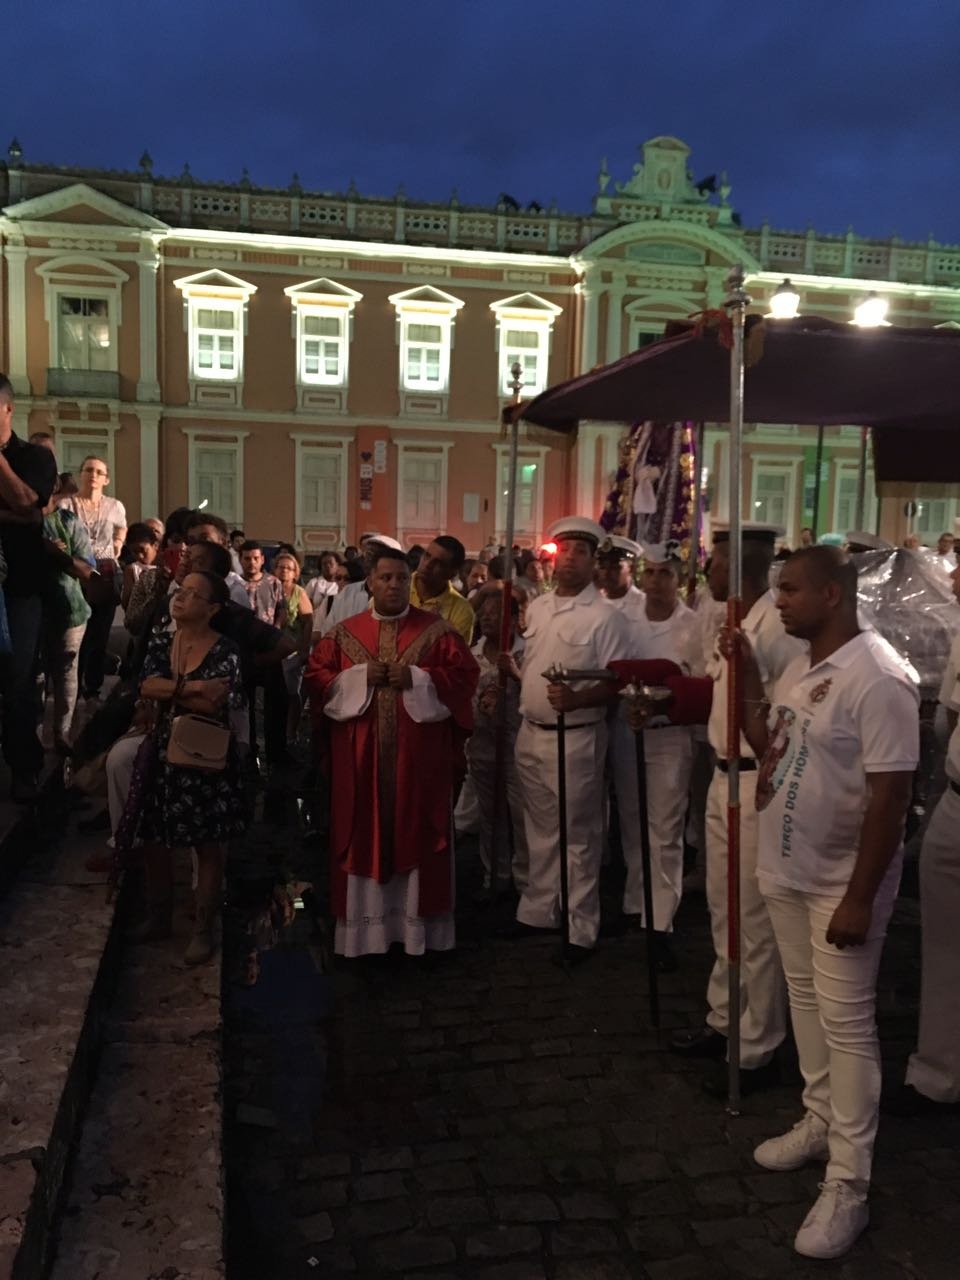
[823,113]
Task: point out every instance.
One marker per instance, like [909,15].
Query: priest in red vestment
[395,687]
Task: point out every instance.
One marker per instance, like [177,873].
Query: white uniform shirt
[675,638]
[950,698]
[774,651]
[632,599]
[831,725]
[580,632]
[353,599]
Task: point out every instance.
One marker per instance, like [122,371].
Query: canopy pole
[816,483]
[693,560]
[736,304]
[862,477]
[501,794]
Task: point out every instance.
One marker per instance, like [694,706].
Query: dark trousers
[271,680]
[94,647]
[21,746]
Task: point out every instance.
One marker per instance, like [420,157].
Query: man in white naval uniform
[574,626]
[355,598]
[661,626]
[762,987]
[615,570]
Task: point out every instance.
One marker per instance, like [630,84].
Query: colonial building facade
[316,365]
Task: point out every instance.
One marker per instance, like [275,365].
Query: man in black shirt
[28,473]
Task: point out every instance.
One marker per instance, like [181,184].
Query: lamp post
[784,302]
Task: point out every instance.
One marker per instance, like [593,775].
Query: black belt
[747,764]
[954,786]
[552,728]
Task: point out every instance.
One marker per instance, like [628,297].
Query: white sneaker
[806,1141]
[835,1221]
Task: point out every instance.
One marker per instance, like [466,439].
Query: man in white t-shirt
[763,998]
[933,1073]
[838,744]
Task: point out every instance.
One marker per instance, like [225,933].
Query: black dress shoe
[752,1080]
[571,956]
[907,1103]
[703,1042]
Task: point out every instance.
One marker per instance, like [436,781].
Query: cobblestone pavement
[485,1115]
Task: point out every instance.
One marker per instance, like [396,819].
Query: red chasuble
[391,778]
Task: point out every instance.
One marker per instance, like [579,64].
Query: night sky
[821,112]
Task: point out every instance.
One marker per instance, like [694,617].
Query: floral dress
[184,807]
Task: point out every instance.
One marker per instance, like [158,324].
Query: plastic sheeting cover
[908,598]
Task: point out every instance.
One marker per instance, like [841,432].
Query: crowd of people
[428,715]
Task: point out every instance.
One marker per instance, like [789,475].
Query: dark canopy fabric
[805,371]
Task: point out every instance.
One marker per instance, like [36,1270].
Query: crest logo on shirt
[820,691]
[776,760]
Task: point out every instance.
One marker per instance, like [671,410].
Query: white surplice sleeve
[421,702]
[349,694]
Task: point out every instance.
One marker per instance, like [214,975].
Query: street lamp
[871,313]
[784,302]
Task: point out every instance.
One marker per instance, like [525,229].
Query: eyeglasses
[192,591]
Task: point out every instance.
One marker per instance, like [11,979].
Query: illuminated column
[588,336]
[615,323]
[16,256]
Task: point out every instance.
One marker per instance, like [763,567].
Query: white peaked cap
[576,527]
[382,540]
[626,548]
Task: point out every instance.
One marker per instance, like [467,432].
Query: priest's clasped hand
[376,673]
[399,676]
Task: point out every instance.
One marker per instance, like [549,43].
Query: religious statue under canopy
[653,495]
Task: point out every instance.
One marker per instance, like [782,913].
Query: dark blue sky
[833,113]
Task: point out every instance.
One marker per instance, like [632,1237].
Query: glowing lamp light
[784,302]
[202,506]
[550,548]
[871,313]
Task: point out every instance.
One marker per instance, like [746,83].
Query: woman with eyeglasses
[194,670]
[105,522]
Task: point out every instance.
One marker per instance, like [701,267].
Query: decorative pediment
[426,298]
[530,306]
[79,203]
[322,290]
[215,284]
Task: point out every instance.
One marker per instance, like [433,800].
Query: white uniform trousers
[934,1069]
[763,997]
[669,758]
[511,833]
[833,1000]
[537,767]
[119,766]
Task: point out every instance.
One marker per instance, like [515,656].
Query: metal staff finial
[516,369]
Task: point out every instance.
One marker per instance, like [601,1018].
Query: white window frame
[196,330]
[411,449]
[65,277]
[227,442]
[426,306]
[216,291]
[328,300]
[846,469]
[781,464]
[525,455]
[524,313]
[101,445]
[339,446]
[929,536]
